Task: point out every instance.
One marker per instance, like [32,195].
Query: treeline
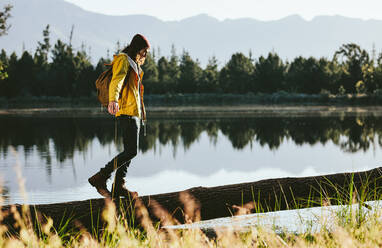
[61,70]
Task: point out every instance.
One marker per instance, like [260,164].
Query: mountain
[202,36]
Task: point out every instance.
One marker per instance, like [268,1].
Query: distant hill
[202,35]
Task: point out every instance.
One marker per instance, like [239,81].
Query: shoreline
[170,100]
[228,111]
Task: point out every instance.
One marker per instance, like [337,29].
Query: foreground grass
[355,223]
[351,226]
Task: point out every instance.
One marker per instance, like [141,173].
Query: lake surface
[55,154]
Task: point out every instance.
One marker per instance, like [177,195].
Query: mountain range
[202,36]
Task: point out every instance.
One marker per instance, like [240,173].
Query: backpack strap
[125,81]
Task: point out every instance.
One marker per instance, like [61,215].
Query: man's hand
[113,108]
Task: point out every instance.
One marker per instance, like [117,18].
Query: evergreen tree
[190,74]
[236,75]
[209,81]
[173,68]
[85,77]
[102,65]
[42,51]
[269,74]
[333,69]
[164,77]
[42,66]
[118,47]
[307,76]
[21,77]
[151,76]
[62,73]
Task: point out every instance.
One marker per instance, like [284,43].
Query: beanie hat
[138,43]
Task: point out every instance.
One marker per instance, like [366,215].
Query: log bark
[214,202]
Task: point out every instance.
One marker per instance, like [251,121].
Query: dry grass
[350,227]
[353,227]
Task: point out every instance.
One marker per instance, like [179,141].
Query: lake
[55,151]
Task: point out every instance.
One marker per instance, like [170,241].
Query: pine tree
[190,74]
[43,48]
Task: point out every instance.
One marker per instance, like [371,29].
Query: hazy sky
[222,9]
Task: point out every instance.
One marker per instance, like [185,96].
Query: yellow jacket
[130,102]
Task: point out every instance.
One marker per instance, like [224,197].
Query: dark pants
[129,129]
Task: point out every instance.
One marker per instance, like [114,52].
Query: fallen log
[203,203]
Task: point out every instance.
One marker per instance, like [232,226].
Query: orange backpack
[103,82]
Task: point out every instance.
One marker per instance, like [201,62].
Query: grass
[354,224]
[349,233]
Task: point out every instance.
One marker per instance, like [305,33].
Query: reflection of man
[129,110]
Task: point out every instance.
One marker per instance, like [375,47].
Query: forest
[63,71]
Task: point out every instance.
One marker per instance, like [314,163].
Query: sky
[265,10]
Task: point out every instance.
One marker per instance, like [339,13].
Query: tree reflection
[62,137]
[4,194]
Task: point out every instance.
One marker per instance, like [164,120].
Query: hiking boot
[119,190]
[98,181]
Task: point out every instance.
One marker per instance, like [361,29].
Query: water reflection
[351,134]
[58,154]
